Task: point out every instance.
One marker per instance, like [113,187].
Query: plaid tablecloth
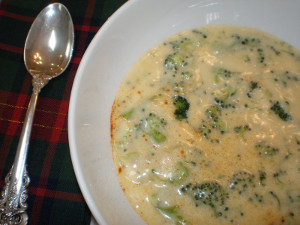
[54,195]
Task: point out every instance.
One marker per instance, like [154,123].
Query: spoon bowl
[49,44]
[47,53]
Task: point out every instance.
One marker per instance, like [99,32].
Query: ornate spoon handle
[14,195]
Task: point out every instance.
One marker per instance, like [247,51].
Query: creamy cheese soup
[206,129]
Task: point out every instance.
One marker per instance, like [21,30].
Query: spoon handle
[14,195]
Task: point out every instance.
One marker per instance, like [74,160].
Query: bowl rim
[71,115]
[79,173]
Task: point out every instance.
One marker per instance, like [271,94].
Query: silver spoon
[47,53]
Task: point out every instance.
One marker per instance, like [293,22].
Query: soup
[206,129]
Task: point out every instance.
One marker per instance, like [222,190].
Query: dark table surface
[54,194]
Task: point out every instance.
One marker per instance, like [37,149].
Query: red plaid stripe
[60,122]
[16,16]
[86,28]
[42,192]
[10,48]
[49,122]
[86,23]
[16,116]
[38,202]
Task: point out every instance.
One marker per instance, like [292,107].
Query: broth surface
[206,129]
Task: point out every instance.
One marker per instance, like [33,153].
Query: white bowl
[129,33]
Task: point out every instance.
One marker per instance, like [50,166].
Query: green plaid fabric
[54,195]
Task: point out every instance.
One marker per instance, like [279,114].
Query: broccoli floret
[181,172]
[182,107]
[261,56]
[257,197]
[210,194]
[246,41]
[128,114]
[275,50]
[240,130]
[214,122]
[152,126]
[246,58]
[178,174]
[222,103]
[277,178]
[205,130]
[181,44]
[129,157]
[171,212]
[266,150]
[186,75]
[262,177]
[201,33]
[276,198]
[220,72]
[277,109]
[241,181]
[173,62]
[222,97]
[213,113]
[253,85]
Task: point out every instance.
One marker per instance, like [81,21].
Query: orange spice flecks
[182,153]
